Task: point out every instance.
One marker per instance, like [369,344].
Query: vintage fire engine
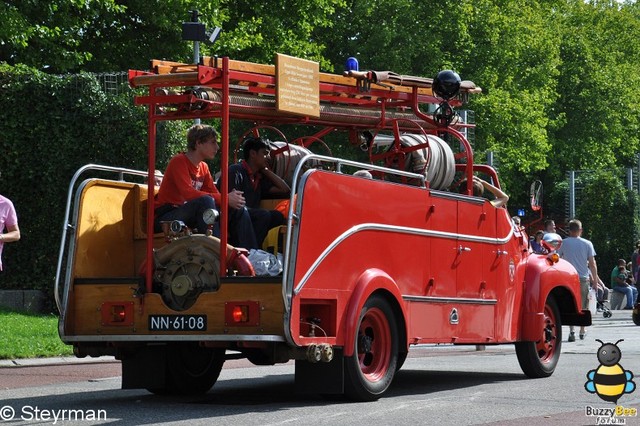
[370,266]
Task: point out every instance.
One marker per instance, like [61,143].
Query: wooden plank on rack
[175,69]
[185,78]
[251,67]
[170,67]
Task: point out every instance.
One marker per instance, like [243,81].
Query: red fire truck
[369,266]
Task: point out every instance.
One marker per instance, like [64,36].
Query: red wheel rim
[374,345]
[548,345]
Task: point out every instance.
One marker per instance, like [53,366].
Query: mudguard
[368,282]
[542,279]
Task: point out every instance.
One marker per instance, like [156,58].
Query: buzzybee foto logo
[610,381]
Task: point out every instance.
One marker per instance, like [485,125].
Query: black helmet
[446,85]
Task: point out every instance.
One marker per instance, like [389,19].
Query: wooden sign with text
[297,86]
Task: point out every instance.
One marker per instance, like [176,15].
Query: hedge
[50,127]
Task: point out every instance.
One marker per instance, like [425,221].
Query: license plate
[177,322]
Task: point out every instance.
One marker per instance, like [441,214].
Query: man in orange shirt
[187,190]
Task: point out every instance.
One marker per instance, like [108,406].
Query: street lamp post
[196,31]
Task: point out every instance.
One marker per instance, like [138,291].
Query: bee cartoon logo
[610,381]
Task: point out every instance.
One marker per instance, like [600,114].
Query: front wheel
[539,359]
[370,370]
[635,316]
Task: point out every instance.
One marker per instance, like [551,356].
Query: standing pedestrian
[580,253]
[549,226]
[9,231]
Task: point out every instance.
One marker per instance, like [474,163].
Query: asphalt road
[437,385]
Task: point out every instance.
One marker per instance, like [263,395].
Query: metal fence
[111,83]
[576,179]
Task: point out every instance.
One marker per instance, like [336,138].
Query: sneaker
[572,337]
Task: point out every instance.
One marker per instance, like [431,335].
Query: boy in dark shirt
[254,179]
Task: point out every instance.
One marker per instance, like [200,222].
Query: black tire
[371,369]
[636,314]
[539,359]
[402,357]
[191,369]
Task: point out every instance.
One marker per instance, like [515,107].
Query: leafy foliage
[598,87]
[49,35]
[609,214]
[256,31]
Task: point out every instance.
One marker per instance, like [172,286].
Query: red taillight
[240,313]
[245,313]
[117,313]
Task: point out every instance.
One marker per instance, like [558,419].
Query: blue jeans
[241,232]
[190,213]
[240,227]
[630,291]
[263,220]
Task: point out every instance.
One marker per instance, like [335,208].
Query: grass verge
[30,336]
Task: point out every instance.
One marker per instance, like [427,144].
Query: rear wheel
[402,357]
[191,369]
[370,370]
[539,359]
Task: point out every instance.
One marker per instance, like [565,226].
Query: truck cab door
[476,221]
[442,255]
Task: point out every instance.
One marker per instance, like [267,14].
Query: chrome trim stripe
[396,229]
[458,197]
[459,300]
[174,337]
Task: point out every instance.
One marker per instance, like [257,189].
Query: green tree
[48,35]
[112,35]
[609,213]
[256,31]
[598,88]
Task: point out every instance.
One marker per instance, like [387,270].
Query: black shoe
[572,337]
[626,308]
[582,335]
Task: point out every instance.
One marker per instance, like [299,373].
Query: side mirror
[536,196]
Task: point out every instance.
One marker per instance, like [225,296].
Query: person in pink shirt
[9,231]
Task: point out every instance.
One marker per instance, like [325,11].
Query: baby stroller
[602,307]
[602,295]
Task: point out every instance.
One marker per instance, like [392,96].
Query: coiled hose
[441,167]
